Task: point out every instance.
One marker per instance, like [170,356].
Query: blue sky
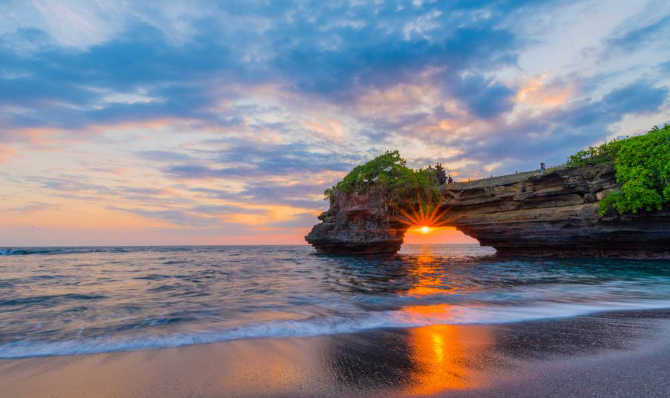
[222,122]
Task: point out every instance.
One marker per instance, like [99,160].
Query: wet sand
[617,354]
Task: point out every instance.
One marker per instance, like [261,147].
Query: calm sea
[56,301]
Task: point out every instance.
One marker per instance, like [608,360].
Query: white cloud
[567,38]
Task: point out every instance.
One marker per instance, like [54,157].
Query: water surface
[57,301]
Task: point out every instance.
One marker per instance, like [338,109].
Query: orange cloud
[34,135]
[535,92]
[271,214]
[331,129]
[5,153]
[77,215]
[398,99]
[40,135]
[150,124]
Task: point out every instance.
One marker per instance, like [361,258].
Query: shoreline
[604,353]
[314,328]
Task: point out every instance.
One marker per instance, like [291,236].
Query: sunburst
[427,216]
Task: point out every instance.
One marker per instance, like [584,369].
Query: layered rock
[358,224]
[554,213]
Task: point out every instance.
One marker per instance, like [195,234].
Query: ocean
[81,300]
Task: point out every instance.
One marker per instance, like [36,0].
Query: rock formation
[551,213]
[358,224]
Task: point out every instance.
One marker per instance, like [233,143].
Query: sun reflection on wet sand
[440,352]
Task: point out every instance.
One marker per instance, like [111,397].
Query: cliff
[538,214]
[358,224]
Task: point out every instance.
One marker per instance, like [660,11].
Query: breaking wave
[321,326]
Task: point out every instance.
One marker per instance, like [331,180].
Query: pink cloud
[5,153]
[536,92]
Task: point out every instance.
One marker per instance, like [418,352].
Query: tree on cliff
[642,170]
[389,173]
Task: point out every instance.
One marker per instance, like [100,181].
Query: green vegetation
[594,155]
[389,173]
[642,170]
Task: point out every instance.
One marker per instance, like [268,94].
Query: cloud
[163,156]
[484,98]
[565,130]
[248,160]
[641,37]
[172,216]
[70,87]
[302,220]
[218,116]
[638,97]
[304,196]
[5,153]
[32,207]
[131,53]
[224,209]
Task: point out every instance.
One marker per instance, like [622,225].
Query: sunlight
[437,235]
[443,353]
[428,223]
[425,218]
[424,229]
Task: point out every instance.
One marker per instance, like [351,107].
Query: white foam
[453,314]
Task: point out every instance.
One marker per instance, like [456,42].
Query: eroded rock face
[357,224]
[539,214]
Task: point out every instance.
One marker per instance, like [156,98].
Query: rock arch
[550,213]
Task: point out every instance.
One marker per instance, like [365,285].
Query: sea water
[61,301]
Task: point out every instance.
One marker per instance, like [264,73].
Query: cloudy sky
[202,122]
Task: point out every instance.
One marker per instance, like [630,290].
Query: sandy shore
[609,355]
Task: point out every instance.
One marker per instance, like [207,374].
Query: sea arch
[538,213]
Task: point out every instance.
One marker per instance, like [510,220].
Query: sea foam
[415,317]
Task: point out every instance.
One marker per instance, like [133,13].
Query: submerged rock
[550,213]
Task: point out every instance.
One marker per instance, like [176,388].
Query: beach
[607,354]
[297,199]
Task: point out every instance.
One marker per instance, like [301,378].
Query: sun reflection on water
[441,352]
[426,280]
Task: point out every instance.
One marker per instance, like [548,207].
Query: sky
[203,122]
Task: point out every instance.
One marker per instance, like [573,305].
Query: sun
[425,229]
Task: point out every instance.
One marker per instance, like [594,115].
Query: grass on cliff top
[389,172]
[642,170]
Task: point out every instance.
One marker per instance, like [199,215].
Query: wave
[49,299]
[405,318]
[23,251]
[19,251]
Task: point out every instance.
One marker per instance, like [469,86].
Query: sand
[608,355]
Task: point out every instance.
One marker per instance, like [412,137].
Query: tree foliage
[596,154]
[642,171]
[389,173]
